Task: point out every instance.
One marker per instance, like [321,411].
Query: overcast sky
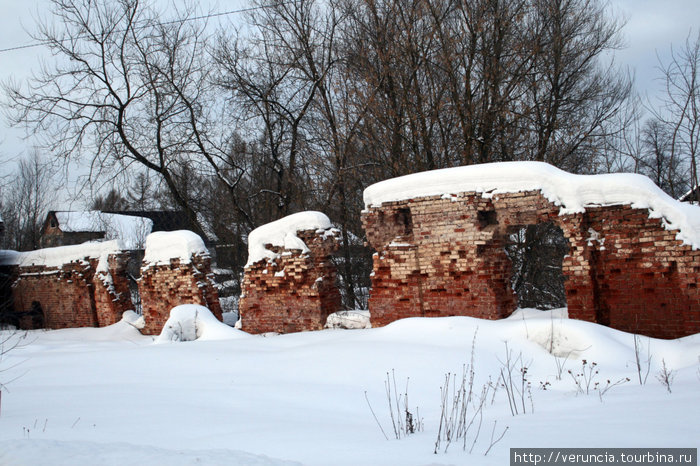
[651,27]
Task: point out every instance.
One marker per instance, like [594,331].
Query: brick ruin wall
[163,287]
[445,256]
[72,295]
[293,293]
[635,277]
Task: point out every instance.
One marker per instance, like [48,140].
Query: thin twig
[494,442]
[373,414]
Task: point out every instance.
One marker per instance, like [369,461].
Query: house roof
[169,220]
[131,230]
[692,195]
[131,227]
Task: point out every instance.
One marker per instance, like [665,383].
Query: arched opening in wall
[536,253]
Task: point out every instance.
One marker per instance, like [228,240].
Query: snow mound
[283,233]
[162,246]
[71,453]
[573,193]
[189,322]
[133,319]
[127,329]
[553,331]
[349,319]
[56,257]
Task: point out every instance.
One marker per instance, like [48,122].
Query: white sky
[651,27]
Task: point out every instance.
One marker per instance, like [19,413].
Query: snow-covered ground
[112,396]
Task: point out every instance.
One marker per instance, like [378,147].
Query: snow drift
[302,397]
[189,322]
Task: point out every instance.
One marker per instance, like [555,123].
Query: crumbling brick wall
[627,271]
[72,295]
[295,292]
[65,295]
[444,255]
[112,293]
[91,292]
[164,286]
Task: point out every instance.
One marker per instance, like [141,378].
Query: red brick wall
[72,295]
[75,296]
[636,277]
[445,256]
[294,293]
[163,287]
[65,294]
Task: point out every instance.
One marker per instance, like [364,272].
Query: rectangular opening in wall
[486,218]
[404,221]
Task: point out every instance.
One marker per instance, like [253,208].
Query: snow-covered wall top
[131,230]
[283,233]
[162,246]
[56,257]
[573,193]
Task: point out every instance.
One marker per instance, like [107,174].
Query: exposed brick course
[444,255]
[162,287]
[293,293]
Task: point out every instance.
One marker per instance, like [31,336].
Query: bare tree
[571,94]
[129,87]
[656,160]
[141,193]
[663,144]
[537,252]
[679,112]
[25,202]
[273,74]
[112,200]
[462,82]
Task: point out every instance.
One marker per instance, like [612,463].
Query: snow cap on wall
[56,257]
[162,246]
[573,193]
[283,233]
